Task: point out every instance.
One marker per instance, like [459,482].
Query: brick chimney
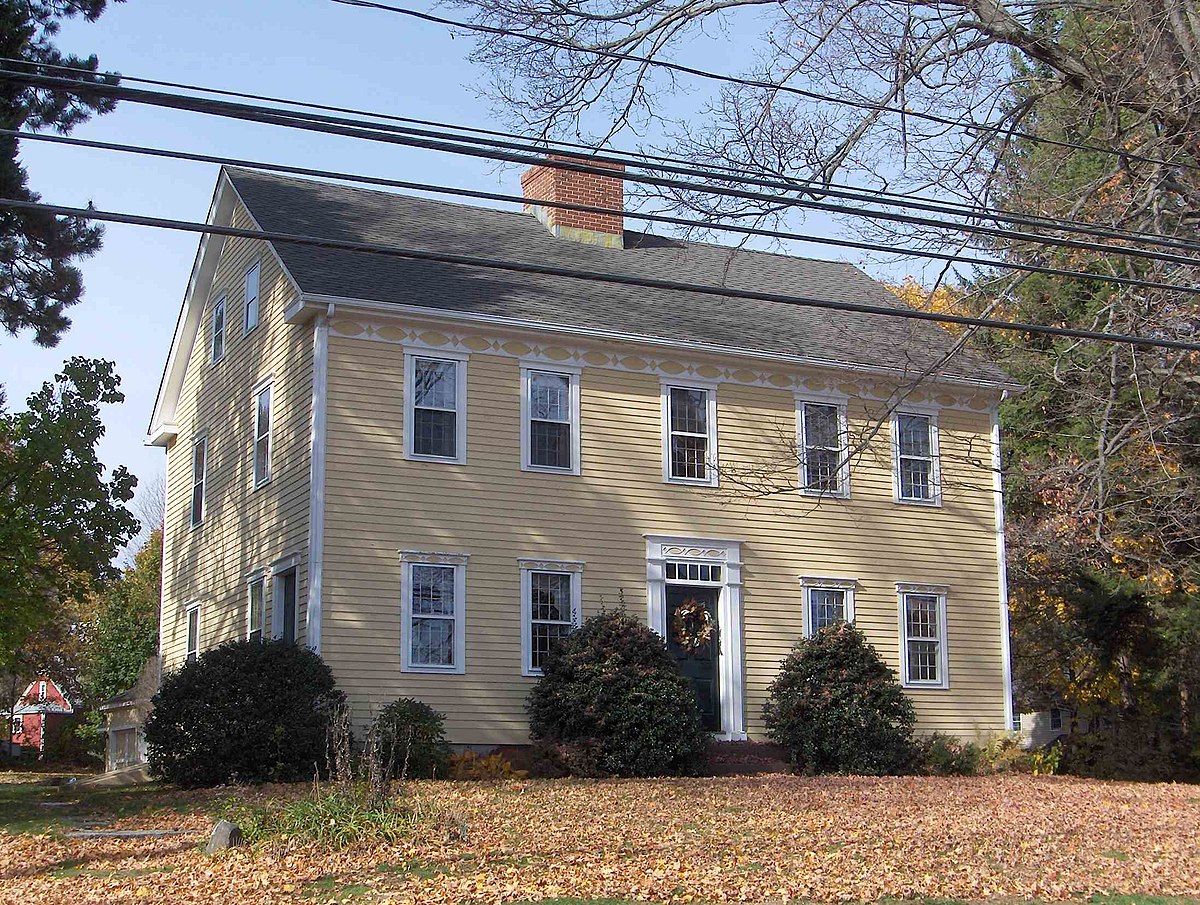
[543,183]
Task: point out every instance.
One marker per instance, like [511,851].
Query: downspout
[1002,565]
[316,477]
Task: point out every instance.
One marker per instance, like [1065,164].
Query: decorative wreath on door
[692,626]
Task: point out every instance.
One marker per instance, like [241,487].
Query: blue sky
[309,49]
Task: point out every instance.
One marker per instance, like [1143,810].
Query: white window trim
[254,578]
[190,610]
[572,374]
[941,592]
[222,303]
[563,567]
[267,383]
[193,522]
[713,479]
[810,583]
[1054,711]
[841,402]
[460,403]
[457,561]
[247,327]
[935,449]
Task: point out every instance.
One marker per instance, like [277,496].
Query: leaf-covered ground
[751,839]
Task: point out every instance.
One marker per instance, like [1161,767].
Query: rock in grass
[224,835]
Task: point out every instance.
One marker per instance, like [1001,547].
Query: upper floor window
[923,636]
[916,458]
[250,307]
[256,616]
[199,472]
[41,691]
[550,420]
[550,608]
[690,441]
[824,456]
[262,436]
[192,650]
[433,612]
[435,412]
[217,346]
[827,601]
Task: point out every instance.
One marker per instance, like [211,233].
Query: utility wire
[644,160]
[591,209]
[532,156]
[591,276]
[757,83]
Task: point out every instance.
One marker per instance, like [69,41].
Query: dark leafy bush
[939,754]
[1139,750]
[611,702]
[247,711]
[412,737]
[837,708]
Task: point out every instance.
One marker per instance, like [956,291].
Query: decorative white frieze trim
[676,370]
[908,588]
[435,557]
[551,565]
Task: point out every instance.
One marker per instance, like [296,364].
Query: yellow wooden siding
[378,503]
[244,528]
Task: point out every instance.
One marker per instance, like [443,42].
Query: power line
[717,171]
[584,208]
[533,156]
[590,276]
[757,83]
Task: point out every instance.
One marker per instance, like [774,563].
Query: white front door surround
[663,549]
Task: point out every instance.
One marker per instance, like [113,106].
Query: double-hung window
[250,307]
[256,614]
[915,439]
[192,650]
[217,345]
[550,608]
[199,473]
[433,610]
[823,446]
[435,411]
[827,601]
[690,434]
[923,636]
[550,420]
[1056,719]
[262,435]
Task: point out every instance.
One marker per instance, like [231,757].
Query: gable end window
[824,448]
[917,466]
[433,612]
[435,409]
[199,473]
[250,307]
[923,636]
[192,650]
[217,346]
[256,614]
[827,601]
[262,436]
[549,420]
[689,435]
[550,608]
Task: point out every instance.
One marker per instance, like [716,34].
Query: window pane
[262,465]
[432,642]
[689,457]
[689,411]
[218,330]
[542,635]
[922,616]
[257,600]
[821,426]
[914,435]
[549,396]
[433,590]
[916,479]
[436,384]
[550,444]
[252,297]
[550,594]
[923,661]
[198,454]
[826,606]
[434,433]
[263,413]
[822,469]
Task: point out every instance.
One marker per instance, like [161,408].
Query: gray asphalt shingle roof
[339,212]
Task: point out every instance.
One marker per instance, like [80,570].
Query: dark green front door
[697,661]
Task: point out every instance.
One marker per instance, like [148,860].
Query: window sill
[686,482]
[824,494]
[547,469]
[928,686]
[259,485]
[435,670]
[444,460]
[928,504]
